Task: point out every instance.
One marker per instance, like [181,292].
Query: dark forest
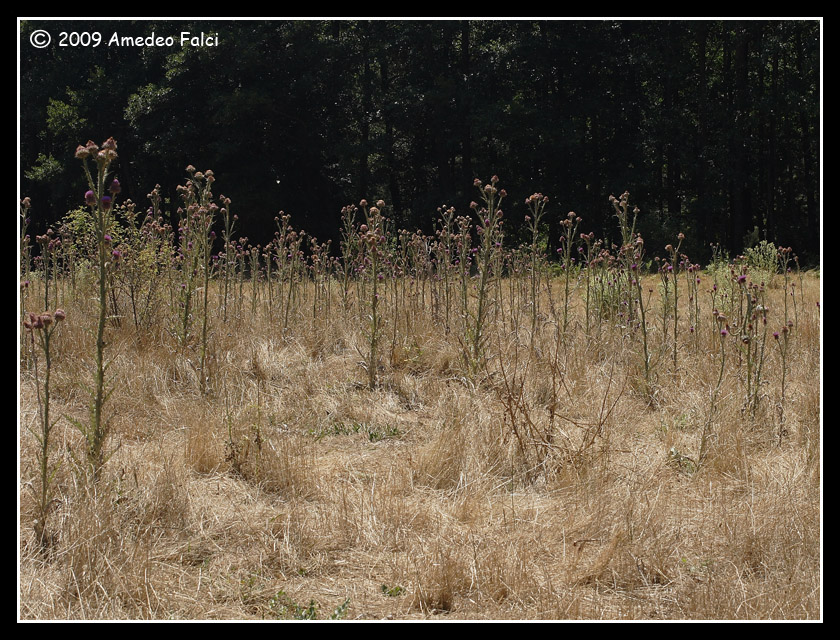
[712,126]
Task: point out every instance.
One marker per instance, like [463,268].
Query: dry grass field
[556,481]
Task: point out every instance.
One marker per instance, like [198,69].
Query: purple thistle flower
[90,198]
[106,203]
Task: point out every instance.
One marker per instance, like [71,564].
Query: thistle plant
[692,276]
[287,244]
[40,328]
[752,338]
[630,257]
[50,248]
[443,259]
[99,201]
[589,255]
[488,229]
[784,258]
[373,241]
[782,338]
[229,264]
[722,329]
[138,265]
[254,268]
[672,274]
[351,244]
[196,244]
[536,204]
[568,239]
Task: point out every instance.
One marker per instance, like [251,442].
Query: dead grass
[570,494]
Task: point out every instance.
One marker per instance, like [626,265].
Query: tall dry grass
[555,484]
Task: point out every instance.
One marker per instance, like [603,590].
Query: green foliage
[45,169]
[64,119]
[373,432]
[763,258]
[392,592]
[283,607]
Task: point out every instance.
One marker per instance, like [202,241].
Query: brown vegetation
[557,483]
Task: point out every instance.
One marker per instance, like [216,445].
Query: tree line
[713,126]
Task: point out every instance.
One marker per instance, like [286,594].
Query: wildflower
[106,203]
[115,187]
[90,198]
[60,315]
